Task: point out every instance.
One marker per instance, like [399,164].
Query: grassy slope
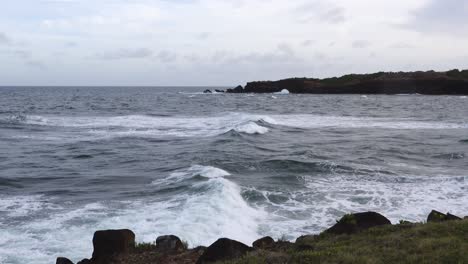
[420,243]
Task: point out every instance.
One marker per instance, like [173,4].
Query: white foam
[251,128]
[214,208]
[317,121]
[326,199]
[283,92]
[100,127]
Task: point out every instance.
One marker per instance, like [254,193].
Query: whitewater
[176,161]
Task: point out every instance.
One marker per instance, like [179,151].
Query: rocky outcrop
[453,82]
[111,244]
[61,260]
[353,223]
[169,243]
[436,216]
[263,243]
[222,250]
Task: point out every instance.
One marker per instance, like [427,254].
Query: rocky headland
[454,82]
[366,237]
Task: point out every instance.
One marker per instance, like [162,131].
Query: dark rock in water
[111,243]
[169,243]
[219,91]
[353,223]
[84,261]
[207,91]
[436,216]
[238,89]
[263,243]
[222,250]
[61,260]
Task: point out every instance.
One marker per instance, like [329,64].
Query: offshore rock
[353,223]
[109,244]
[223,250]
[207,91]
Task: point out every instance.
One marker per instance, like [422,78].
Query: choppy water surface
[173,161]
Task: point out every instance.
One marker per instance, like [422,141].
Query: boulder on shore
[112,243]
[263,243]
[222,250]
[61,260]
[169,243]
[436,216]
[353,223]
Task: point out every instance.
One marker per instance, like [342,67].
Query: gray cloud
[360,44]
[441,16]
[318,10]
[166,56]
[4,39]
[125,54]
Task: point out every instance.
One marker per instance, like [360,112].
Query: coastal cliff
[454,82]
[367,237]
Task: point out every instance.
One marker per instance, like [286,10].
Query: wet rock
[263,243]
[84,261]
[61,260]
[353,223]
[436,216]
[238,89]
[222,250]
[207,91]
[219,91]
[169,243]
[112,243]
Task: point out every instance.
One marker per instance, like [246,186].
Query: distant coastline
[454,82]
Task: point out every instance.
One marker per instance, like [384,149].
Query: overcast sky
[224,42]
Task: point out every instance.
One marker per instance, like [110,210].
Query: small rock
[61,260]
[207,91]
[169,243]
[436,216]
[353,223]
[219,91]
[450,217]
[111,243]
[222,250]
[263,243]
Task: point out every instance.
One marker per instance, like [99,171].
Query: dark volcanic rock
[431,83]
[61,260]
[112,243]
[353,223]
[263,242]
[238,89]
[222,250]
[436,216]
[169,243]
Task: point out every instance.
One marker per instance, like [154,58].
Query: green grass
[445,242]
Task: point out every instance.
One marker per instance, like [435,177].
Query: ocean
[171,160]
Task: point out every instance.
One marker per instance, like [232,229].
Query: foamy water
[73,161]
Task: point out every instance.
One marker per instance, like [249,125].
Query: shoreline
[336,244]
[454,82]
